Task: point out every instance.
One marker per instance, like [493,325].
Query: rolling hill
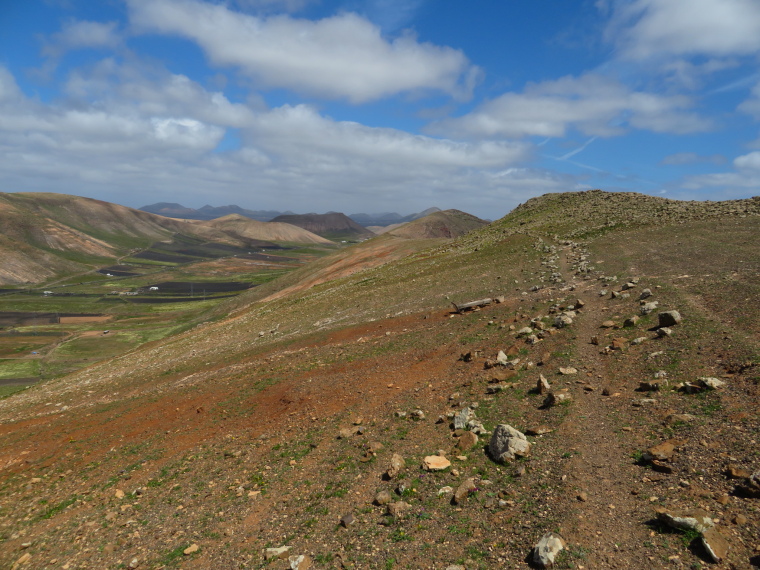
[439,224]
[345,412]
[334,225]
[48,235]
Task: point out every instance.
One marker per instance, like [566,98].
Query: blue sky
[379,105]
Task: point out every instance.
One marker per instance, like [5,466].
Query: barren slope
[46,235]
[270,231]
[228,437]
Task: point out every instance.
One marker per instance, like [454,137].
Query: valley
[305,412]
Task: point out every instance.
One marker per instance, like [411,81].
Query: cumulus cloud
[342,57]
[78,34]
[749,161]
[593,104]
[645,29]
[746,176]
[159,137]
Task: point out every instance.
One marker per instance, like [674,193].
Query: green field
[32,348]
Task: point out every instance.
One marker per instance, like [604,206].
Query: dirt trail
[602,469]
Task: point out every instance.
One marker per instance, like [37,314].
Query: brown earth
[227,436]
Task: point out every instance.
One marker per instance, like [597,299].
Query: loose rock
[383,498]
[697,519]
[436,463]
[465,489]
[276,553]
[547,549]
[507,443]
[397,464]
[669,318]
[715,544]
[300,562]
[467,440]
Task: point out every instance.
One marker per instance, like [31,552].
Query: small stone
[679,418]
[547,549]
[710,383]
[740,519]
[25,558]
[345,433]
[669,318]
[554,398]
[191,549]
[697,519]
[661,452]
[465,489]
[445,490]
[435,463]
[583,496]
[347,520]
[734,472]
[276,553]
[382,498]
[134,563]
[595,340]
[397,464]
[567,371]
[649,386]
[715,544]
[619,343]
[608,324]
[647,308]
[300,562]
[398,509]
[664,332]
[646,293]
[638,340]
[538,430]
[631,321]
[461,419]
[467,440]
[118,493]
[542,385]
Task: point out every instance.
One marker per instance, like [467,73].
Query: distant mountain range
[174,210]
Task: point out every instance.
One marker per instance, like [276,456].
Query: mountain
[45,235]
[312,412]
[173,210]
[334,225]
[389,218]
[237,225]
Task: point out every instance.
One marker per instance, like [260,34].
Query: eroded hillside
[306,419]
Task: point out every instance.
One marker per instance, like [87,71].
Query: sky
[370,106]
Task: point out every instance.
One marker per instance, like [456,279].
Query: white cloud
[78,34]
[123,144]
[150,91]
[749,161]
[342,57]
[743,181]
[593,104]
[645,29]
[304,134]
[682,158]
